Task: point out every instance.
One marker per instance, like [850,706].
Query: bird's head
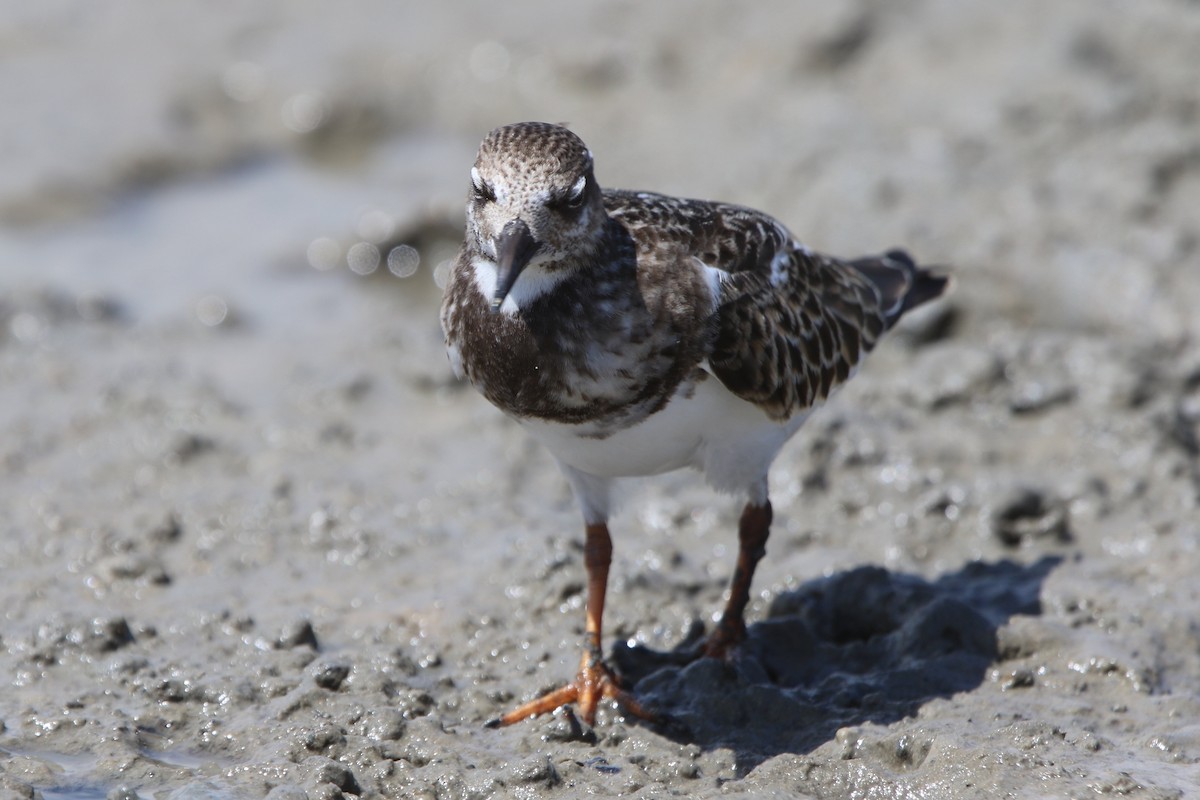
[533,201]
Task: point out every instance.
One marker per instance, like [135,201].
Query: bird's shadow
[866,645]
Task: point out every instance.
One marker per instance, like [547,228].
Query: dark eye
[576,201]
[483,192]
[574,198]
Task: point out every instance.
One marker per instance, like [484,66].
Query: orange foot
[595,682]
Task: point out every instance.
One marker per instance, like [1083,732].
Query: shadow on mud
[867,645]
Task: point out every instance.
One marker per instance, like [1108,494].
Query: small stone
[322,770]
[167,530]
[1018,679]
[329,675]
[1025,514]
[537,770]
[132,567]
[386,725]
[325,791]
[414,703]
[566,727]
[324,738]
[298,634]
[107,634]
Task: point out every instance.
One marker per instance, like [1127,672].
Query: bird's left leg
[753,529]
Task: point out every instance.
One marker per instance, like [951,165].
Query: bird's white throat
[532,283]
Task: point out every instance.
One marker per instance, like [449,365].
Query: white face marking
[532,283]
[485,276]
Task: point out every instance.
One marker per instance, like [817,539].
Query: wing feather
[790,325]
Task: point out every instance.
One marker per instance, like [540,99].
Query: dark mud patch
[867,645]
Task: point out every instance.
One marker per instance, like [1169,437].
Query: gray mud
[255,541]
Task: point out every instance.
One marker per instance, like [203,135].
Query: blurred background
[200,160]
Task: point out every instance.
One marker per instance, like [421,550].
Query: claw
[595,682]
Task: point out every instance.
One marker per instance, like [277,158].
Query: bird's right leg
[594,681]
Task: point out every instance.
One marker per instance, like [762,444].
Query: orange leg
[753,529]
[594,682]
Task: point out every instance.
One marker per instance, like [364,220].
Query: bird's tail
[902,285]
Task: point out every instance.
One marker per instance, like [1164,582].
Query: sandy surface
[255,541]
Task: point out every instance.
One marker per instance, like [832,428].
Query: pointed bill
[515,247]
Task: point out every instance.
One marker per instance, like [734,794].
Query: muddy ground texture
[255,541]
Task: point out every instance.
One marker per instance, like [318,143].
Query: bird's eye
[482,190]
[575,197]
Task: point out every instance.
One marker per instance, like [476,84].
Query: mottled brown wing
[785,340]
[728,237]
[791,324]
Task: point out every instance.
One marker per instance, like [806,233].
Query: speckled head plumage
[533,201]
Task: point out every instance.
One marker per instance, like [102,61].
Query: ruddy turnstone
[634,333]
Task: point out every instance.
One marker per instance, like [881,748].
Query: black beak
[515,247]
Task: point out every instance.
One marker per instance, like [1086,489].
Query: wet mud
[255,541]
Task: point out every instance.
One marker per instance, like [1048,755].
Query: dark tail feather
[901,283]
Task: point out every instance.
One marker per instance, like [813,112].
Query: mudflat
[256,541]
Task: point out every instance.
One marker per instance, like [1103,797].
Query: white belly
[731,441]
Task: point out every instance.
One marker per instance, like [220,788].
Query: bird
[634,333]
